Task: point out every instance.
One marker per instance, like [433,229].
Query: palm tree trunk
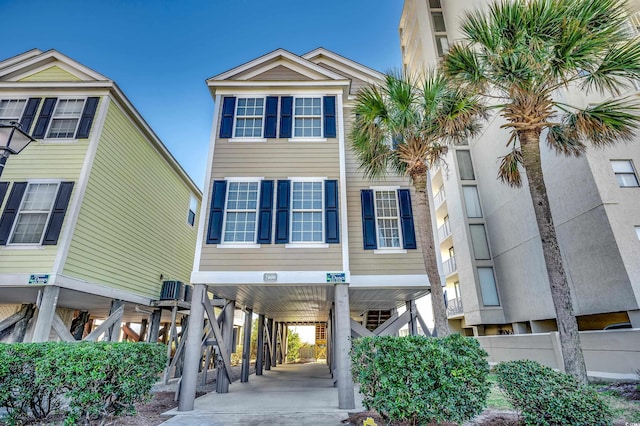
[425,232]
[560,291]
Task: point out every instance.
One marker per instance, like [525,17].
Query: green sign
[39,279]
[336,277]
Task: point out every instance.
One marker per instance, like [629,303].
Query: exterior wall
[607,354]
[40,160]
[132,226]
[53,73]
[366,262]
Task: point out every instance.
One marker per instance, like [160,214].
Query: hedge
[421,380]
[547,397]
[85,381]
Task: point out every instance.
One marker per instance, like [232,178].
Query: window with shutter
[387,220]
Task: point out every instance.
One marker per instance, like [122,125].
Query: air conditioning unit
[172,290]
[188,291]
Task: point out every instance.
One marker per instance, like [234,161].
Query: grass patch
[496,400]
[624,410]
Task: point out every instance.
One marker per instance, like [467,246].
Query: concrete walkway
[289,394]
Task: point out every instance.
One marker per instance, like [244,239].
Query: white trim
[384,188]
[307,178]
[20,57]
[287,64]
[245,140]
[231,245]
[262,117]
[307,139]
[371,73]
[46,222]
[61,59]
[234,278]
[53,113]
[225,211]
[57,84]
[206,194]
[253,84]
[285,90]
[389,281]
[16,98]
[243,179]
[306,245]
[344,225]
[23,247]
[389,250]
[74,208]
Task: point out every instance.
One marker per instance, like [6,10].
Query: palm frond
[608,122]
[564,140]
[463,65]
[619,63]
[509,169]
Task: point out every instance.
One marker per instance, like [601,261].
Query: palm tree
[521,55]
[403,126]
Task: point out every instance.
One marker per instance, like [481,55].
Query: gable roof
[34,61]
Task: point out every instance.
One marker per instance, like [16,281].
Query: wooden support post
[78,324]
[116,316]
[413,326]
[267,354]
[223,379]
[154,330]
[246,346]
[173,338]
[46,311]
[193,354]
[346,397]
[274,344]
[144,325]
[260,344]
[285,341]
[113,333]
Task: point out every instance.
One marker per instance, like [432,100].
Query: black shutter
[45,116]
[29,114]
[11,211]
[368,220]
[286,116]
[329,111]
[271,117]
[57,214]
[265,212]
[406,219]
[87,118]
[331,213]
[282,211]
[4,186]
[216,213]
[228,109]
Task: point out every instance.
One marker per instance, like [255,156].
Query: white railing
[444,230]
[439,197]
[449,265]
[454,307]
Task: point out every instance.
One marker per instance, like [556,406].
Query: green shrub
[84,381]
[420,379]
[547,397]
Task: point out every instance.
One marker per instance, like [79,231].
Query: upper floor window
[11,110]
[34,213]
[388,219]
[65,118]
[625,173]
[249,116]
[465,165]
[307,212]
[241,212]
[193,208]
[307,121]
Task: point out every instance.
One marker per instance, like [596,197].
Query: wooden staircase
[376,318]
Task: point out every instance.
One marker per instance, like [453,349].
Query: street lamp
[12,140]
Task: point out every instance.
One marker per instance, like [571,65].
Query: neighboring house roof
[279,68]
[21,72]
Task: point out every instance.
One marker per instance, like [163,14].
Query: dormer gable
[49,66]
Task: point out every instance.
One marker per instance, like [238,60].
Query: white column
[193,350]
[342,340]
[46,311]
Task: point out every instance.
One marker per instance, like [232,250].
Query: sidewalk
[290,394]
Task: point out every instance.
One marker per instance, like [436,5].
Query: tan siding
[53,73]
[280,73]
[59,161]
[132,225]
[365,262]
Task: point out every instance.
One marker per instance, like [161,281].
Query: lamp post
[12,140]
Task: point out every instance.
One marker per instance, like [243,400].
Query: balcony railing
[454,307]
[449,266]
[444,230]
[439,196]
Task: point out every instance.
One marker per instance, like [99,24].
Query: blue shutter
[45,116]
[29,114]
[368,220]
[282,211]
[87,118]
[286,116]
[228,109]
[406,219]
[329,110]
[271,117]
[331,214]
[216,212]
[265,213]
[4,186]
[11,211]
[57,214]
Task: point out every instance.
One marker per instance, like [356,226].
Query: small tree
[293,346]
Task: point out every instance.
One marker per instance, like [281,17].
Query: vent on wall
[172,290]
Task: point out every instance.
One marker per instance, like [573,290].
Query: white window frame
[260,138]
[193,208]
[637,228]
[388,250]
[633,172]
[53,118]
[240,244]
[306,244]
[294,116]
[8,119]
[19,212]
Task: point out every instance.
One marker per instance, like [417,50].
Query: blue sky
[160,52]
